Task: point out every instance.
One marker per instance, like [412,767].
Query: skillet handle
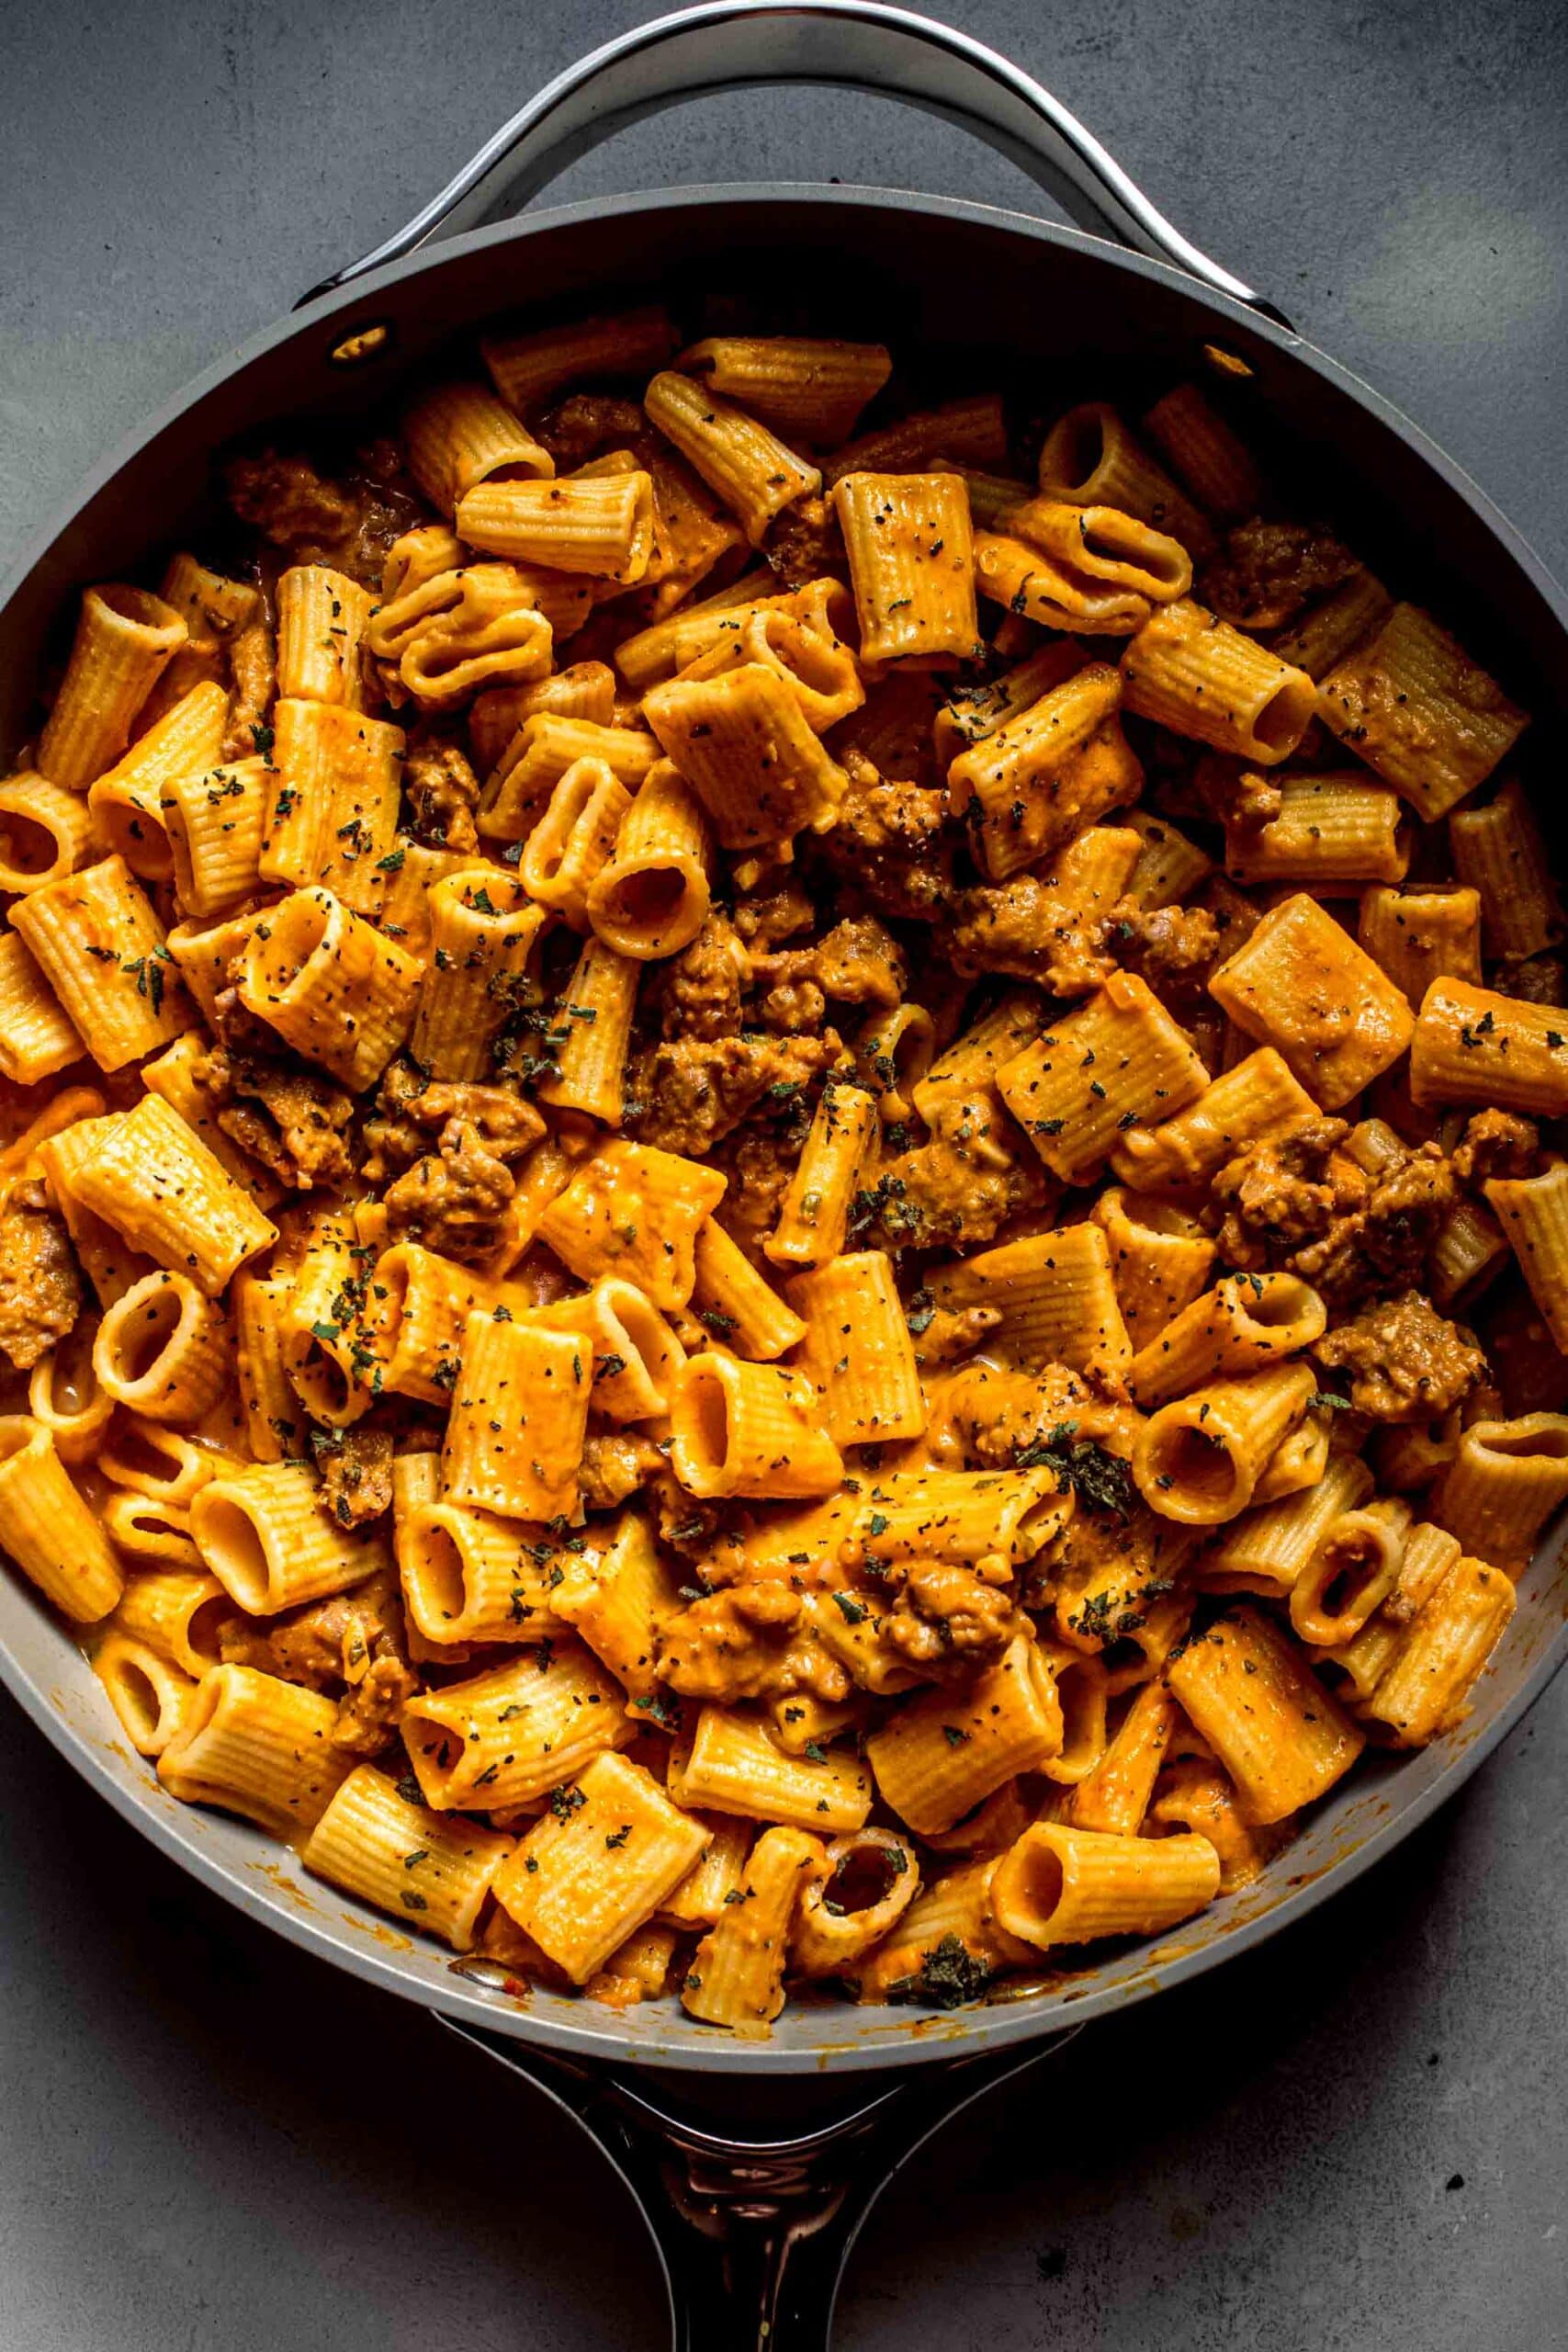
[754,2201]
[733,44]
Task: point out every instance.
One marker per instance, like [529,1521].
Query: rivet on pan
[367,343]
[1226,363]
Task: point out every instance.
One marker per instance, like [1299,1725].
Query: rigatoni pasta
[839,1294]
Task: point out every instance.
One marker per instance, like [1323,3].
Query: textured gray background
[1356,2141]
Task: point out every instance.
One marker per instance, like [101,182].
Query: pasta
[764,1223]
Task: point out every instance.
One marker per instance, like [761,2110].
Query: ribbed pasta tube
[545,746]
[635,1211]
[618,1601]
[1090,457]
[969,432]
[731,1765]
[638,1359]
[65,1395]
[519,1414]
[1169,866]
[263,1533]
[1198,1460]
[172,1074]
[746,467]
[1038,587]
[37,1035]
[1205,454]
[215,823]
[1062,1885]
[177,1612]
[1199,677]
[141,1530]
[495,627]
[1409,701]
[124,638]
[1333,832]
[1043,775]
[460,434]
[1323,635]
[148,1693]
[1115,1794]
[571,840]
[736,1978]
[1161,1259]
[1244,1322]
[735,1303]
[746,748]
[944,1752]
[795,636]
[503,1737]
[1266,1550]
[591,1035]
[204,952]
[257,1747]
[333,812]
[589,1874]
[1503,1483]
[45,832]
[1499,851]
[483,926]
[599,524]
[1352,1570]
[1472,1044]
[1423,1691]
[526,369]
[107,1259]
[321,619]
[803,385]
[1104,544]
[1301,984]
[1055,1294]
[152,1460]
[1534,1213]
[100,946]
[428,1871]
[127,804]
[870,1881]
[858,1351]
[163,1349]
[815,1212]
[46,1528]
[274,1418]
[1418,936]
[331,985]
[911,564]
[651,897]
[966,1515]
[153,1177]
[1072,1114]
[750,1429]
[1259,1100]
[469,1576]
[1283,1740]
[417,1305]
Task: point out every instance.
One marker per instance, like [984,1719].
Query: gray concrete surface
[1356,2141]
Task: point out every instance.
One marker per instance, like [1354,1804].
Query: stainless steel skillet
[979,296]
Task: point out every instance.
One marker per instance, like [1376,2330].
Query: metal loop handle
[858,44]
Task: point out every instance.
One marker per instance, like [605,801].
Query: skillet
[756,2164]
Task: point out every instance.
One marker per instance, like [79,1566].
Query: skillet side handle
[860,44]
[753,2204]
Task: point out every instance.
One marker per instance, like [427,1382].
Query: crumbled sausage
[1497,1143]
[700,987]
[452,1200]
[1406,1364]
[944,1610]
[689,1094]
[858,962]
[443,793]
[290,1119]
[356,1470]
[958,1188]
[40,1288]
[893,843]
[353,1643]
[1267,572]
